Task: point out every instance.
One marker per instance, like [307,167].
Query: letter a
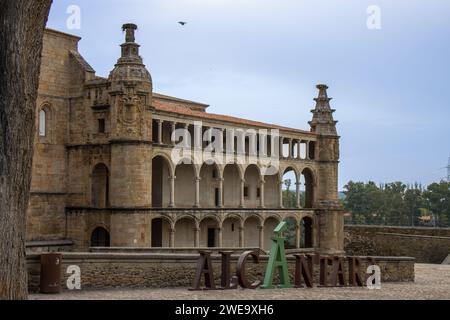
[277,260]
[204,266]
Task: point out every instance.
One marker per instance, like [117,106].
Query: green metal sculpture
[277,260]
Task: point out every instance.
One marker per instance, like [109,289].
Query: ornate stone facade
[104,174]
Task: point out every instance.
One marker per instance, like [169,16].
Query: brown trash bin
[51,272]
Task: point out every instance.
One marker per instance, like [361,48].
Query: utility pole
[448,170]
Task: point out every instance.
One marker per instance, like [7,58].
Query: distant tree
[413,204]
[437,196]
[289,197]
[22,26]
[288,184]
[397,204]
[364,202]
[392,206]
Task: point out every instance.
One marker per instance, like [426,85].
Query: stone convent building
[104,174]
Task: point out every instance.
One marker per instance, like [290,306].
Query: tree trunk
[22,24]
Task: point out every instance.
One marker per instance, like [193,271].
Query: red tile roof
[186,111]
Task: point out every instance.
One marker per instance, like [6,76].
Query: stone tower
[131,131]
[329,210]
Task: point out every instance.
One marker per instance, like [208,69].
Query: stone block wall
[427,245]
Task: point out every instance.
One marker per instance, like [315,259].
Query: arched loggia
[289,185]
[210,186]
[161,174]
[308,181]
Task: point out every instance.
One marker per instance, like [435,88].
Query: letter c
[240,271]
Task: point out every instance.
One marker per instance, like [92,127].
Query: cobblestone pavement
[432,282]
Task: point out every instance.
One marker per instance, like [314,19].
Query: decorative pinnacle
[322,121]
[129,28]
[322,90]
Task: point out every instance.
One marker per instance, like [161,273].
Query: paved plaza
[432,282]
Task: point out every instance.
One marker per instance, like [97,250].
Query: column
[172,192]
[241,236]
[172,238]
[281,147]
[220,202]
[291,150]
[230,145]
[198,137]
[221,143]
[299,143]
[242,200]
[219,237]
[197,237]
[261,236]
[261,195]
[197,192]
[160,132]
[173,128]
[186,141]
[281,194]
[297,236]
[297,189]
[307,150]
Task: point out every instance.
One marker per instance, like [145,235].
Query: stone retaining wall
[131,270]
[427,245]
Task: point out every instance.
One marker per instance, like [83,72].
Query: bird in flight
[182,23]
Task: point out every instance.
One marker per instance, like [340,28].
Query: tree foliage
[398,204]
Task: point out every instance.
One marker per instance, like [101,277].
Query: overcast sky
[261,60]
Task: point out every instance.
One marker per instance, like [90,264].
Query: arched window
[42,123]
[100,186]
[100,238]
[309,189]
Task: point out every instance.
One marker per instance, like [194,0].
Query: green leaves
[398,204]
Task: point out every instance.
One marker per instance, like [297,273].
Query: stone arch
[161,172]
[270,224]
[185,228]
[289,178]
[231,227]
[187,216]
[232,176]
[252,189]
[308,178]
[210,176]
[252,226]
[100,186]
[168,160]
[256,216]
[185,176]
[100,237]
[209,231]
[307,232]
[160,231]
[293,216]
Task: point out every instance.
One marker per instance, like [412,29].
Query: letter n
[354,273]
[304,267]
[337,276]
